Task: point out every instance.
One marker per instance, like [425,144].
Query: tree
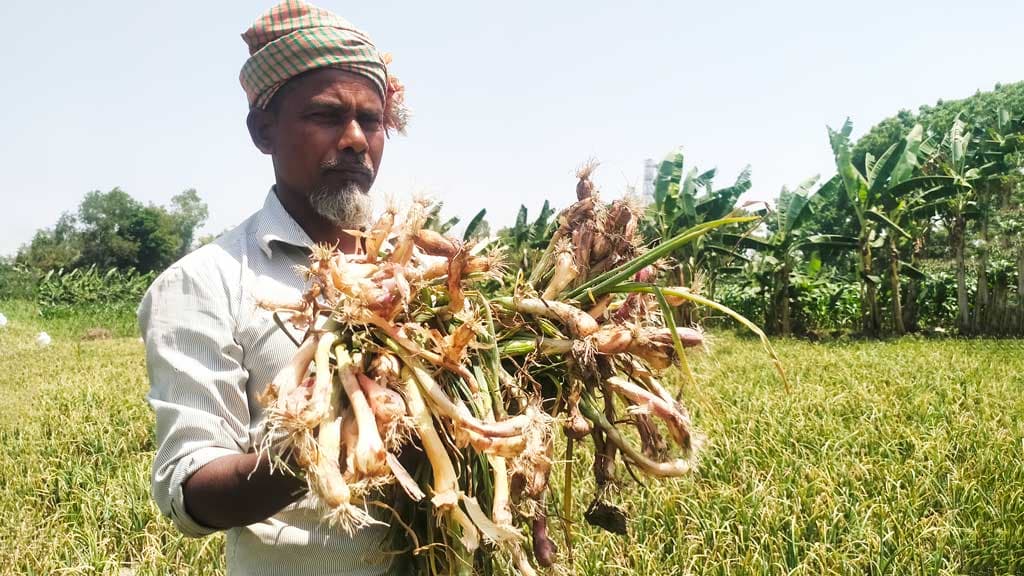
[105,218]
[525,240]
[478,228]
[682,201]
[156,234]
[973,164]
[52,248]
[780,251]
[888,177]
[981,109]
[189,213]
[971,218]
[436,222]
[113,230]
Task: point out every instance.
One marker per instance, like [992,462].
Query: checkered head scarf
[295,37]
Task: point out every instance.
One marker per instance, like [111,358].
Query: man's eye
[323,116]
[370,122]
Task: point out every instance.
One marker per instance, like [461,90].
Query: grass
[76,442]
[887,457]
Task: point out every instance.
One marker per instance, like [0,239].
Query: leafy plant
[84,291]
[684,199]
[526,240]
[779,253]
[878,197]
[18,282]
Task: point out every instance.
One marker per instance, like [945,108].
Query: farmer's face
[326,135]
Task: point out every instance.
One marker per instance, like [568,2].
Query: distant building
[650,173]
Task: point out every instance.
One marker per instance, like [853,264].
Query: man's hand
[227,492]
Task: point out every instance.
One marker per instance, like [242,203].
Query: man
[321,104]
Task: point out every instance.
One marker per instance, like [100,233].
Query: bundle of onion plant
[417,391]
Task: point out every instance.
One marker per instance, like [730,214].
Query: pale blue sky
[508,98]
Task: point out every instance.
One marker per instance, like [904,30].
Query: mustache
[354,165]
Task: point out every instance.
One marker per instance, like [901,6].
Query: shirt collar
[277,225]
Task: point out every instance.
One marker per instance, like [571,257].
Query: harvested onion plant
[417,392]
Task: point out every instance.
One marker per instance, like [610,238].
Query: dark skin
[323,129]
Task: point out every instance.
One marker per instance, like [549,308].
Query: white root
[579,323]
[504,447]
[320,400]
[566,271]
[677,422]
[459,413]
[501,509]
[370,454]
[285,433]
[325,477]
[446,483]
[290,377]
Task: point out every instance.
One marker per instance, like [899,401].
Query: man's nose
[353,138]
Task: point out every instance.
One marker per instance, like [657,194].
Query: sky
[507,98]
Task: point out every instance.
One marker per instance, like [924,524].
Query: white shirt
[209,352]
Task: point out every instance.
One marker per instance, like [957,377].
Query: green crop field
[898,457]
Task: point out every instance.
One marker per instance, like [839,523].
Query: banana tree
[684,199]
[880,196]
[525,239]
[996,157]
[952,161]
[435,220]
[780,253]
[1007,147]
[973,162]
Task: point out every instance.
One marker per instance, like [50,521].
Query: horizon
[136,107]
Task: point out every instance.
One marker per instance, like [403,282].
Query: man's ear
[261,125]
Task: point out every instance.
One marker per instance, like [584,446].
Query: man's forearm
[227,492]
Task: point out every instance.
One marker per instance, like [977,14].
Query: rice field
[897,457]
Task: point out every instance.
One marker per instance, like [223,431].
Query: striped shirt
[210,351]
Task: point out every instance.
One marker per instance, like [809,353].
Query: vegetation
[77,440]
[113,230]
[894,224]
[684,199]
[922,198]
[411,329]
[111,297]
[777,253]
[18,282]
[983,109]
[525,241]
[897,457]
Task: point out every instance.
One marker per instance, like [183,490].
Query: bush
[826,305]
[817,305]
[18,282]
[108,298]
[936,299]
[747,299]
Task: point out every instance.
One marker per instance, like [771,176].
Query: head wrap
[296,37]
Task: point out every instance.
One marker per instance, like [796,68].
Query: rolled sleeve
[197,383]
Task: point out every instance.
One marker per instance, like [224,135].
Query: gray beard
[347,207]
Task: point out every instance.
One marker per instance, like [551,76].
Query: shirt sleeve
[197,383]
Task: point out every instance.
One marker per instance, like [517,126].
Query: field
[905,456]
